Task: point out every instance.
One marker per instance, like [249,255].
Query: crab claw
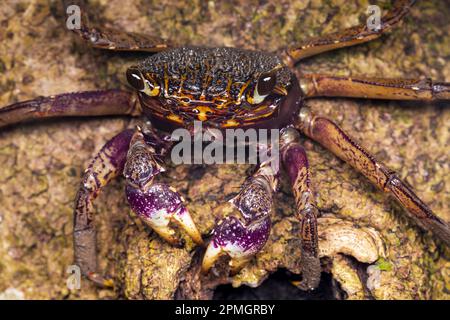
[240,242]
[158,206]
[245,232]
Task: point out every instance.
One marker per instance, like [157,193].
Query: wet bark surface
[41,163]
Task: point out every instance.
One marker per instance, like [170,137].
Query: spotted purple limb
[333,138]
[105,166]
[76,104]
[157,204]
[245,232]
[137,154]
[296,164]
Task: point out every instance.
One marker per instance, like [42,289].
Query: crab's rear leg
[321,85]
[87,103]
[349,37]
[328,134]
[296,165]
[106,165]
[112,38]
[244,232]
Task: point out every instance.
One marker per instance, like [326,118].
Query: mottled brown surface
[40,164]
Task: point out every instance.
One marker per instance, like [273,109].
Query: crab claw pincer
[244,234]
[158,206]
[238,241]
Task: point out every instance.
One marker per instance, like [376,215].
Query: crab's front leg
[157,204]
[106,165]
[135,154]
[242,234]
[75,104]
[295,161]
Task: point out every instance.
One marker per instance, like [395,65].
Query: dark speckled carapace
[215,85]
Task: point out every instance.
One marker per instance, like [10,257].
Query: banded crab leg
[329,135]
[135,154]
[321,85]
[106,165]
[111,38]
[245,232]
[296,164]
[77,104]
[348,37]
[157,204]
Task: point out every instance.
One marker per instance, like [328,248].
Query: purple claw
[158,206]
[241,238]
[156,203]
[240,242]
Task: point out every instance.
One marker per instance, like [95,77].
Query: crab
[258,90]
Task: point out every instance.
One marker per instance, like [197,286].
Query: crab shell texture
[42,163]
[217,86]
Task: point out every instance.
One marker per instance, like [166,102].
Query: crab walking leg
[349,37]
[321,85]
[328,134]
[111,38]
[157,204]
[296,164]
[106,165]
[245,232]
[87,103]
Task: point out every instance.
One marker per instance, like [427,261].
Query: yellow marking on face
[202,112]
[174,117]
[261,108]
[166,80]
[230,123]
[182,80]
[241,92]
[280,90]
[229,84]
[260,116]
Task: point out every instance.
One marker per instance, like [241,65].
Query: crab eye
[265,85]
[137,81]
